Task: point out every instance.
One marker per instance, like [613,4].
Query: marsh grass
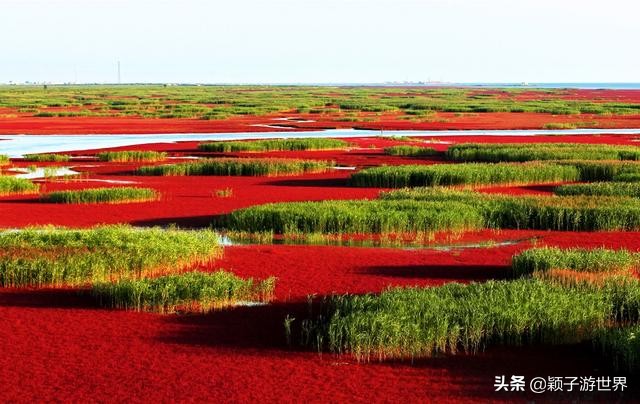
[575,264]
[103,195]
[418,213]
[132,156]
[355,217]
[15,186]
[630,189]
[521,152]
[273,145]
[621,347]
[607,170]
[240,167]
[567,213]
[4,160]
[421,322]
[192,291]
[41,158]
[560,125]
[410,151]
[466,174]
[58,257]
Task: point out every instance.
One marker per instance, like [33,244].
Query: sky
[319,41]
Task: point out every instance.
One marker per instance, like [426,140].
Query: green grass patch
[41,158]
[11,185]
[630,189]
[570,213]
[560,125]
[273,145]
[362,217]
[65,257]
[220,102]
[4,160]
[421,212]
[539,261]
[103,195]
[411,151]
[621,171]
[240,167]
[467,174]
[621,347]
[421,322]
[520,152]
[132,156]
[193,291]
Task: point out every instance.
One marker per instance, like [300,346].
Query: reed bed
[520,152]
[4,160]
[274,145]
[193,291]
[240,167]
[356,217]
[132,156]
[620,171]
[420,212]
[410,151]
[48,256]
[570,213]
[466,174]
[103,195]
[630,189]
[621,347]
[421,322]
[565,264]
[46,157]
[11,185]
[220,102]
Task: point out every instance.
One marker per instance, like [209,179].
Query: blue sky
[321,41]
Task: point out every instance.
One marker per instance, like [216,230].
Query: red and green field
[74,336]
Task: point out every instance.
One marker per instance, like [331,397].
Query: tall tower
[119,80]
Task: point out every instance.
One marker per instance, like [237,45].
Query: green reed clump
[560,125]
[628,177]
[132,156]
[411,151]
[598,260]
[64,257]
[631,189]
[421,322]
[187,291]
[103,195]
[501,152]
[4,160]
[241,167]
[622,171]
[621,347]
[355,217]
[273,145]
[41,158]
[462,174]
[12,185]
[570,213]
